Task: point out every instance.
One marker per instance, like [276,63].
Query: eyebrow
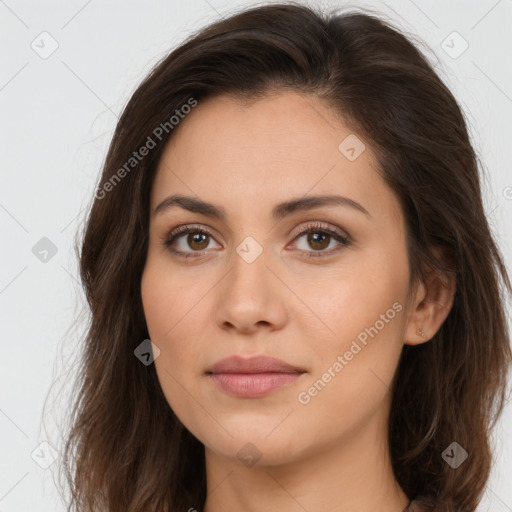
[280,211]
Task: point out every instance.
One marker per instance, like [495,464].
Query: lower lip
[252,385]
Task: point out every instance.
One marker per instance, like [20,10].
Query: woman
[295,293]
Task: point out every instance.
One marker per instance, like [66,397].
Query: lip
[253,377]
[256,364]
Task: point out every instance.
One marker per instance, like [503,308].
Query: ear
[432,302]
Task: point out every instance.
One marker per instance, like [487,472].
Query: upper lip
[258,364]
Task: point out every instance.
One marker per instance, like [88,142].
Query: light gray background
[58,114]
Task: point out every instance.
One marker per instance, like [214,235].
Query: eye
[319,237]
[197,240]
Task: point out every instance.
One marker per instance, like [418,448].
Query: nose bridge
[250,260]
[250,293]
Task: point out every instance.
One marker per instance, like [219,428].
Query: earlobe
[433,303]
[421,332]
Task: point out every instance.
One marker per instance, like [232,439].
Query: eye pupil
[317,238]
[195,238]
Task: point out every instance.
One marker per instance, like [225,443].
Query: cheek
[170,328]
[171,308]
[165,298]
[164,313]
[364,308]
[353,377]
[379,280]
[346,300]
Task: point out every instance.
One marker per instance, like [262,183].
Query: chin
[255,443]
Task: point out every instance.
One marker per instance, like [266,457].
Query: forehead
[264,151]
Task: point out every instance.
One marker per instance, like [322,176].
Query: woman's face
[330,304]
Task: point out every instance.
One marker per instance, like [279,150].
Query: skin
[330,454]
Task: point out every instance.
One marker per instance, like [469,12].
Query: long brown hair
[126,451]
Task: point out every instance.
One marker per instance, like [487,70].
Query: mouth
[253,377]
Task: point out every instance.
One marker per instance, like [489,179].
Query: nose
[251,297]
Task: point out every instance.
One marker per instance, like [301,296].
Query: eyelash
[310,228]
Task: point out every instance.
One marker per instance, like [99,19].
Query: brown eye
[317,241]
[197,240]
[318,238]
